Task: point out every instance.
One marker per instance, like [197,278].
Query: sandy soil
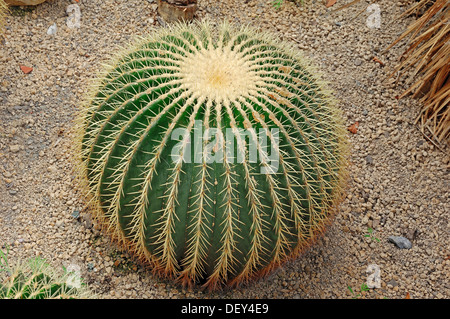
[399,183]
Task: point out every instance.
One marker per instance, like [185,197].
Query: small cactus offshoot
[36,279]
[165,185]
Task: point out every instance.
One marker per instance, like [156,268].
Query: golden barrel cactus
[214,154]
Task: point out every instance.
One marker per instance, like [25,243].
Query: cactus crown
[217,221]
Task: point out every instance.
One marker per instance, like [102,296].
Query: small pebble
[14,148]
[369,159]
[52,29]
[400,242]
[76,214]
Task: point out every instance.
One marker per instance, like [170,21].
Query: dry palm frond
[429,54]
[352,3]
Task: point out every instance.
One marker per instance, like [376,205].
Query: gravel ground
[399,183]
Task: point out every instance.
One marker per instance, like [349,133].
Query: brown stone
[171,12]
[24,2]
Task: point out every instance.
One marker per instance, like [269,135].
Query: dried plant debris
[428,56]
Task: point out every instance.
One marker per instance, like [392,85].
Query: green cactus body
[38,280]
[199,220]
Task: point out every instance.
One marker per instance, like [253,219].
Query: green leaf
[277,4]
[364,287]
